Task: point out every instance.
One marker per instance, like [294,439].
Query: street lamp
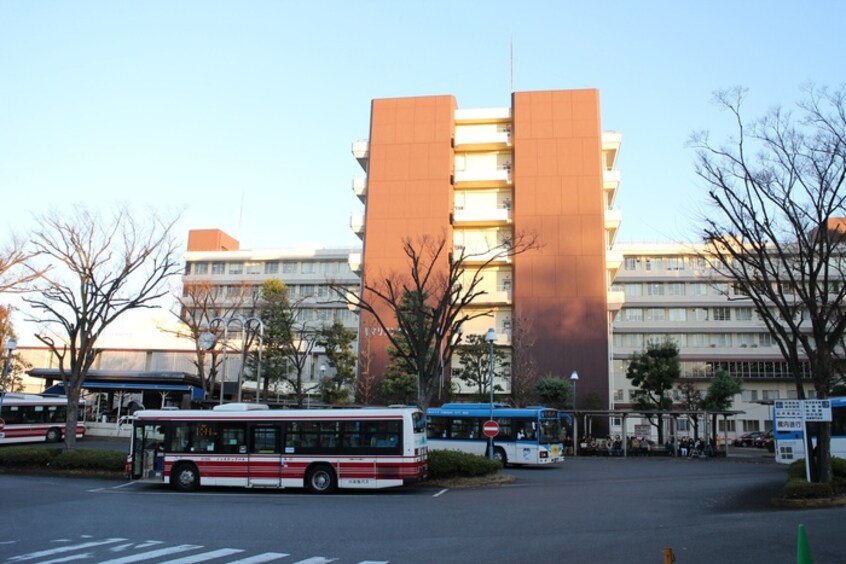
[260,334]
[490,337]
[11,345]
[226,322]
[574,377]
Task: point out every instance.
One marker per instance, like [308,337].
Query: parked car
[766,441]
[748,439]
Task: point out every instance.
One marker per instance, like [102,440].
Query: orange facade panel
[211,240]
[558,196]
[409,194]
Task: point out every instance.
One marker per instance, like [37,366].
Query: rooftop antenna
[512,63]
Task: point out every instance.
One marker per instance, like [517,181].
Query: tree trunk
[72,393]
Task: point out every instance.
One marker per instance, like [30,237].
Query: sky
[241,115]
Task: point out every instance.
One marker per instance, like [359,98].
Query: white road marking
[316,560]
[71,558]
[264,557]
[60,550]
[202,557]
[153,554]
[443,491]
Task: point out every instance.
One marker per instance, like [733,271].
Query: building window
[745,340]
[254,268]
[700,314]
[683,425]
[633,289]
[653,264]
[307,268]
[726,425]
[720,289]
[618,395]
[769,395]
[655,289]
[632,264]
[218,267]
[749,395]
[675,263]
[743,314]
[698,289]
[722,314]
[633,314]
[236,267]
[678,314]
[751,425]
[675,288]
[201,267]
[271,267]
[766,340]
[289,268]
[655,314]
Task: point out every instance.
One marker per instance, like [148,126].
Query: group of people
[690,447]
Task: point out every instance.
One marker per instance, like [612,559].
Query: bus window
[203,437]
[232,439]
[464,428]
[437,427]
[265,439]
[180,440]
[351,437]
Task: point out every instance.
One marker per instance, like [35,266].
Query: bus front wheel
[185,478]
[321,479]
[500,456]
[54,435]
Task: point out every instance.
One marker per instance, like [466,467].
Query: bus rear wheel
[185,478]
[321,479]
[54,435]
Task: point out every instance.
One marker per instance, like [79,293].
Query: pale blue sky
[203,105]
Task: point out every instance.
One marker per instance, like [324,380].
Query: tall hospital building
[481,177]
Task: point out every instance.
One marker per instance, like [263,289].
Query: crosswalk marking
[61,550]
[149,555]
[258,558]
[95,551]
[203,556]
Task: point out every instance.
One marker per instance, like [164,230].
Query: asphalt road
[585,510]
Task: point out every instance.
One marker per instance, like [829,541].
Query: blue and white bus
[528,435]
[790,445]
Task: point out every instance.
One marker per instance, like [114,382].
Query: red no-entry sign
[490,428]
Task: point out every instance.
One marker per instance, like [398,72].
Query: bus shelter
[583,420]
[157,388]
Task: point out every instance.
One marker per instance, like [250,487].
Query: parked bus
[31,418]
[790,445]
[529,435]
[249,445]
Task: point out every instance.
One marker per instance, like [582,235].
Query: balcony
[354,261]
[613,261]
[359,186]
[481,139]
[616,300]
[357,225]
[483,178]
[493,297]
[481,216]
[477,256]
[613,218]
[361,152]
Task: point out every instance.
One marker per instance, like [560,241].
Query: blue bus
[790,444]
[527,435]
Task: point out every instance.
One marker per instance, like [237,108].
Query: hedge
[445,464]
[101,460]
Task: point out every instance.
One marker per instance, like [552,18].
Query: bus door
[148,452]
[265,456]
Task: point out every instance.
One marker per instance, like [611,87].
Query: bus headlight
[544,454]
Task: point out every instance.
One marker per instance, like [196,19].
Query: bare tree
[366,384]
[16,269]
[776,229]
[524,370]
[102,268]
[18,365]
[421,311]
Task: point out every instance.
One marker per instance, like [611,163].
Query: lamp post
[226,323]
[490,337]
[260,332]
[574,377]
[11,345]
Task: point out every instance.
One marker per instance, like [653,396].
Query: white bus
[249,445]
[527,435]
[31,418]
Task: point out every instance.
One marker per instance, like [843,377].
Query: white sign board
[788,415]
[817,410]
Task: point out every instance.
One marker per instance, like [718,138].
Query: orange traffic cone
[803,551]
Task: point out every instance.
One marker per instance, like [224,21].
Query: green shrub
[91,459]
[800,489]
[797,468]
[453,464]
[31,456]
